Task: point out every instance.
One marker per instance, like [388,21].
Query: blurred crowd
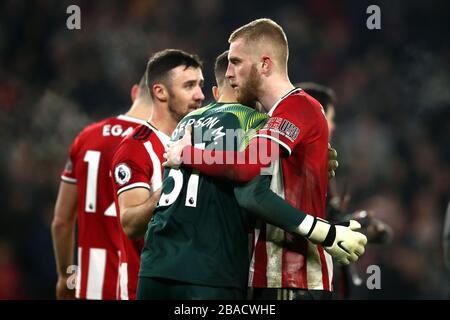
[393,113]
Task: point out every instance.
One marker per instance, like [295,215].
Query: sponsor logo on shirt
[283,127]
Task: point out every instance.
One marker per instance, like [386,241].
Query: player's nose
[198,95]
[230,71]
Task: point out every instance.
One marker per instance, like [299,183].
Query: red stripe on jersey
[325,275]
[293,263]
[111,273]
[260,276]
[84,272]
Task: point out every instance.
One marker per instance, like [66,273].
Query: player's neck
[140,110]
[273,90]
[227,94]
[227,98]
[163,120]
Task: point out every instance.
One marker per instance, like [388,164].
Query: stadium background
[393,113]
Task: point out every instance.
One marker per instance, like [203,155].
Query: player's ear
[266,64]
[160,92]
[215,92]
[134,92]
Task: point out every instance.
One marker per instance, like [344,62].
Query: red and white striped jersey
[280,259]
[136,164]
[98,231]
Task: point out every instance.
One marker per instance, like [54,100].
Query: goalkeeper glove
[340,240]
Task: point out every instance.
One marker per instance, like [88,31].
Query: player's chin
[193,107]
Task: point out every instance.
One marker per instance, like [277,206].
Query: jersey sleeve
[292,122]
[68,174]
[131,167]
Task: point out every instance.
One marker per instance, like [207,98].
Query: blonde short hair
[264,31]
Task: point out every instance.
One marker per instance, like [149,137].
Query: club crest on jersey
[122,173]
[283,127]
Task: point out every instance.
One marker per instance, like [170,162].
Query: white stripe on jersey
[78,279]
[274,235]
[329,261]
[111,211]
[69,180]
[123,275]
[252,261]
[134,185]
[281,143]
[157,175]
[131,119]
[163,138]
[274,248]
[313,267]
[277,183]
[118,278]
[96,273]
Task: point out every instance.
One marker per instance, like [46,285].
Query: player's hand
[174,150]
[340,240]
[348,244]
[62,290]
[333,164]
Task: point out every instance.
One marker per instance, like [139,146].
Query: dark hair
[220,67]
[323,94]
[162,62]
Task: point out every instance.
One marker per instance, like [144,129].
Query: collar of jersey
[131,119]
[281,99]
[161,135]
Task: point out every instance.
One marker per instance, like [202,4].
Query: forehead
[238,48]
[182,74]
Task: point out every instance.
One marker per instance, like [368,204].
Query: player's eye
[189,85]
[234,61]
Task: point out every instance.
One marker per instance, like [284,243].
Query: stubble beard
[248,92]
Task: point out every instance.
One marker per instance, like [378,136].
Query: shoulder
[132,144]
[244,114]
[140,143]
[91,132]
[235,108]
[299,107]
[300,101]
[92,129]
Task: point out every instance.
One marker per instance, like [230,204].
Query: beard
[248,91]
[180,109]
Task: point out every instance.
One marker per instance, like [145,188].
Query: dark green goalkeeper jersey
[198,233]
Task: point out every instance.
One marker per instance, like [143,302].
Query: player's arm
[136,208]
[63,226]
[245,165]
[137,196]
[240,166]
[339,240]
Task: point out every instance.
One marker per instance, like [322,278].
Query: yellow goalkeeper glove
[340,240]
